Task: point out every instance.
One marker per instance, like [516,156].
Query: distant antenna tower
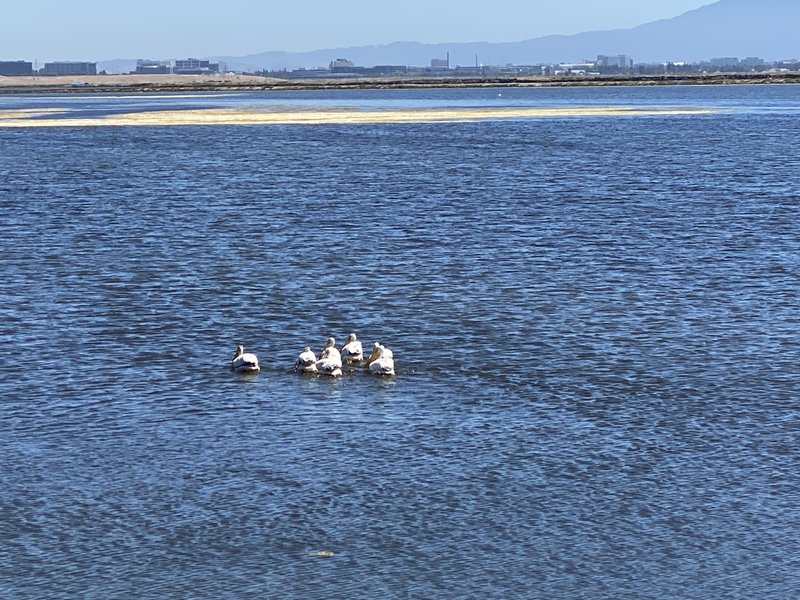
[448,60]
[476,59]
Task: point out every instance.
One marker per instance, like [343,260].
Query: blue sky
[99,30]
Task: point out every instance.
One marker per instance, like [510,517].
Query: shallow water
[594,321]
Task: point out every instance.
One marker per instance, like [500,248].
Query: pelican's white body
[381,360]
[330,360]
[244,362]
[352,352]
[306,362]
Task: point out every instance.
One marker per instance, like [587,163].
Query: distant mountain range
[736,28]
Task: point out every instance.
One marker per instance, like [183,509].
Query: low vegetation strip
[171,83]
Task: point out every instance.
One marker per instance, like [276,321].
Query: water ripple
[595,324]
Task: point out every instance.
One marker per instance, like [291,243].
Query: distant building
[340,63]
[152,67]
[444,63]
[341,67]
[619,61]
[724,62]
[195,66]
[467,71]
[12,68]
[340,72]
[387,69]
[573,68]
[752,62]
[69,68]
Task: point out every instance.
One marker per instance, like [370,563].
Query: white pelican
[381,360]
[330,360]
[352,352]
[244,362]
[306,362]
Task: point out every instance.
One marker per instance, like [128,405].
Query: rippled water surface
[594,321]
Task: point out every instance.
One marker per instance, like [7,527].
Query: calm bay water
[595,325]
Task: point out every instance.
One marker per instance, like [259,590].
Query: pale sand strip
[28,113]
[333,116]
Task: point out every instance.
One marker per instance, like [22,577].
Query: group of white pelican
[331,360]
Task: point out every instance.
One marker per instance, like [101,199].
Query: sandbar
[329,116]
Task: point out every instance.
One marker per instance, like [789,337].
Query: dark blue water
[595,323]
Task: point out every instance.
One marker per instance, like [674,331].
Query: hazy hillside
[764,28]
[740,28]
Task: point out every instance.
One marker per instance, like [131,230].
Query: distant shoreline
[195,83]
